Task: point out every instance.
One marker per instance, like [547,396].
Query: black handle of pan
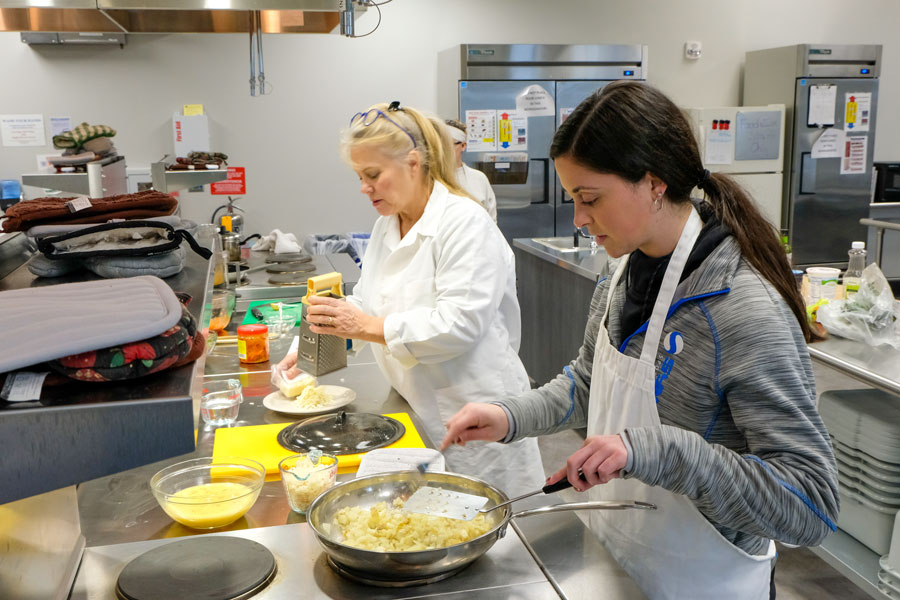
[561,484]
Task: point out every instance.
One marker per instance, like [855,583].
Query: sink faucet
[579,234]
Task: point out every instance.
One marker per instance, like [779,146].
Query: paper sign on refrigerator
[857,111]
[854,160]
[481,130]
[512,131]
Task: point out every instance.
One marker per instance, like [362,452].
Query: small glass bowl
[203,494]
[303,487]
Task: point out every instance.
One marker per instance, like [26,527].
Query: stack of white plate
[865,429]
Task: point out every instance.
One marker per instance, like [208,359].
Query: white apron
[672,552]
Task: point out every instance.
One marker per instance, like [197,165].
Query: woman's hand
[601,459]
[338,317]
[287,366]
[486,422]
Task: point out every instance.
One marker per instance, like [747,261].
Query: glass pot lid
[342,433]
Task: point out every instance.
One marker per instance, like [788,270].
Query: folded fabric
[81,158]
[77,136]
[48,211]
[132,359]
[100,145]
[277,242]
[53,321]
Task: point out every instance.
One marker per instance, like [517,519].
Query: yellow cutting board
[260,442]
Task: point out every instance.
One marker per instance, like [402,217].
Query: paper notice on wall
[822,102]
[60,124]
[535,101]
[719,147]
[830,144]
[512,131]
[857,111]
[481,130]
[853,161]
[22,130]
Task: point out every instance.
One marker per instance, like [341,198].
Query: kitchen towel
[277,242]
[44,323]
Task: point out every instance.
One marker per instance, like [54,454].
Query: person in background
[694,380]
[437,292]
[472,180]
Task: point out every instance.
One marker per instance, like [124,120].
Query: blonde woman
[437,293]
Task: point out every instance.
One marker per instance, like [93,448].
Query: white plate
[340,396]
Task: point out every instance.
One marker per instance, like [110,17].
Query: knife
[257,313]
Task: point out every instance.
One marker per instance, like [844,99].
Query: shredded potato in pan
[388,529]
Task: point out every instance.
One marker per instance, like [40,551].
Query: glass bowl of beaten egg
[206,493]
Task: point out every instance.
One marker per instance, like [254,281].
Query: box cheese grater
[319,353]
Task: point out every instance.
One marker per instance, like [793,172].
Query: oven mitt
[42,266]
[160,265]
[132,359]
[77,136]
[53,321]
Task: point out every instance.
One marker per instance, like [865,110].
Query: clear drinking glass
[220,402]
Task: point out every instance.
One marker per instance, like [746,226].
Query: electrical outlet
[693,50]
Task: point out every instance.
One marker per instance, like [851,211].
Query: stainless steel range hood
[174,16]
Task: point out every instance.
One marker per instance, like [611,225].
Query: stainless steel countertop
[592,264]
[878,366]
[303,572]
[539,558]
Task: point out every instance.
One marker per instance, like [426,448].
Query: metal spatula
[439,502]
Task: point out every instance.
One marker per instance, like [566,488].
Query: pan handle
[595,505]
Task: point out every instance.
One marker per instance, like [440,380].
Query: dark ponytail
[630,129]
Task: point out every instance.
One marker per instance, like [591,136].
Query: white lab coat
[476,183]
[452,327]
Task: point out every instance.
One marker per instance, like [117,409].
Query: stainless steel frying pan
[365,492]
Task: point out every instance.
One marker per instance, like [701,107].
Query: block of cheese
[294,387]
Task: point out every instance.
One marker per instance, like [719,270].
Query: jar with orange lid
[253,343]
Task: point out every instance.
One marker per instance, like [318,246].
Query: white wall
[288,141]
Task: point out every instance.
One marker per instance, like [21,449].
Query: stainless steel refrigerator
[512,98]
[831,94]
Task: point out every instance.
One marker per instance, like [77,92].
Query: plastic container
[303,481]
[855,266]
[822,283]
[253,343]
[201,494]
[869,522]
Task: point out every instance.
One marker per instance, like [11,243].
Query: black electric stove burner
[368,579]
[291,267]
[290,278]
[289,257]
[212,568]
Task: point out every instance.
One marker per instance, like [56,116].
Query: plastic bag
[291,387]
[870,316]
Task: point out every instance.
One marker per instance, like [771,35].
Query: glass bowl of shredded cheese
[305,476]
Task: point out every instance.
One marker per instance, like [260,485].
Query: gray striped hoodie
[740,434]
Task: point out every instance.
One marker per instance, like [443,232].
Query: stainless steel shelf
[170,181]
[104,177]
[853,560]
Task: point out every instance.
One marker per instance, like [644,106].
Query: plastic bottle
[855,266]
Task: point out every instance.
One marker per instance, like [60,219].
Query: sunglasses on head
[371,115]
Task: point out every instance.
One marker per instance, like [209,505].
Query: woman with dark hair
[694,380]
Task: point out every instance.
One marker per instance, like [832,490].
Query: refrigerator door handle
[546,164]
[807,173]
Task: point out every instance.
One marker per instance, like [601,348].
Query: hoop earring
[658,202]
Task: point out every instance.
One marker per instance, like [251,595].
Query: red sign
[235,184]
